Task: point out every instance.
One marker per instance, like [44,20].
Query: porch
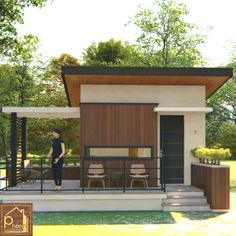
[117,195]
[36,175]
[176,198]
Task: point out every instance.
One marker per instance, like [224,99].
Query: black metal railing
[35,176]
[3,173]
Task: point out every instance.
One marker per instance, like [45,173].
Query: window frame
[117,157]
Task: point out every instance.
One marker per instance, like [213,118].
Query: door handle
[161,153]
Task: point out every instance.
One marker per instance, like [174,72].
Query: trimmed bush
[211,155]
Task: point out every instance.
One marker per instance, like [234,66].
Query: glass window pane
[119,152]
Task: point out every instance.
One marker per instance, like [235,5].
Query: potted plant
[211,155]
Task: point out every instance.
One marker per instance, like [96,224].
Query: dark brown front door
[172,147]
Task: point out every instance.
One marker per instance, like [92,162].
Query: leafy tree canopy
[221,123]
[166,38]
[111,53]
[11,13]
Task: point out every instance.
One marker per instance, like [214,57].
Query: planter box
[214,180]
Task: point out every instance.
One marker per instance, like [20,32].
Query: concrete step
[186,207]
[194,192]
[185,199]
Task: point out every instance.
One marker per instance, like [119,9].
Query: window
[119,152]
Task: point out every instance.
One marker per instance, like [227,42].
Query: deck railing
[3,174]
[117,174]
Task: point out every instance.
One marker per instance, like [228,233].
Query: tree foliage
[111,53]
[166,38]
[17,81]
[23,58]
[51,92]
[11,13]
[8,95]
[221,123]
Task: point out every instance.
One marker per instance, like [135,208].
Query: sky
[70,26]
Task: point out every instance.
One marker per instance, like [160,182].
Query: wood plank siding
[215,183]
[119,125]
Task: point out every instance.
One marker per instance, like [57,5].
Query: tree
[50,89]
[8,95]
[226,136]
[18,80]
[11,13]
[23,58]
[50,92]
[167,39]
[221,123]
[111,53]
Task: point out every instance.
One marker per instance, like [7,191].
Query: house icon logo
[16,219]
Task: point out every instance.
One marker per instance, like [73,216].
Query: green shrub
[211,153]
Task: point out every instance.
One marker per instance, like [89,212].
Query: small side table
[117,178]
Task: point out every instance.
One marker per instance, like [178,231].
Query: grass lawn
[135,223]
[2,174]
[232,174]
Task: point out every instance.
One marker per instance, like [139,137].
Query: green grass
[139,223]
[232,165]
[2,173]
[101,218]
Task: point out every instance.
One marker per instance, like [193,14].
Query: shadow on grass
[203,215]
[101,218]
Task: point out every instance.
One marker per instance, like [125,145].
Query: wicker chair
[28,173]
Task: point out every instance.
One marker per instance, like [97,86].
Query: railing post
[83,175]
[124,179]
[13,141]
[41,174]
[23,140]
[163,174]
[6,171]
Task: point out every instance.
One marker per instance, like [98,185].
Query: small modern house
[136,115]
[143,112]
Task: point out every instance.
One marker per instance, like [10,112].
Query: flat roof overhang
[75,76]
[44,112]
[183,109]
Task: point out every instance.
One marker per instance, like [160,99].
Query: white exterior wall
[166,96]
[90,202]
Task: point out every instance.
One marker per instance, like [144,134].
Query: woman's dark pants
[57,172]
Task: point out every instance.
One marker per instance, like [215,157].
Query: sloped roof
[74,76]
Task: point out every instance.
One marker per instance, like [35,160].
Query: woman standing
[57,152]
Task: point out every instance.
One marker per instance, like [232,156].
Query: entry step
[186,207]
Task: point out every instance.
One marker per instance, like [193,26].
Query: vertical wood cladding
[215,183]
[117,125]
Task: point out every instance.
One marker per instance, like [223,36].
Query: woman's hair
[57,130]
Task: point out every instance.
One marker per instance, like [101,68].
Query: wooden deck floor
[73,187]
